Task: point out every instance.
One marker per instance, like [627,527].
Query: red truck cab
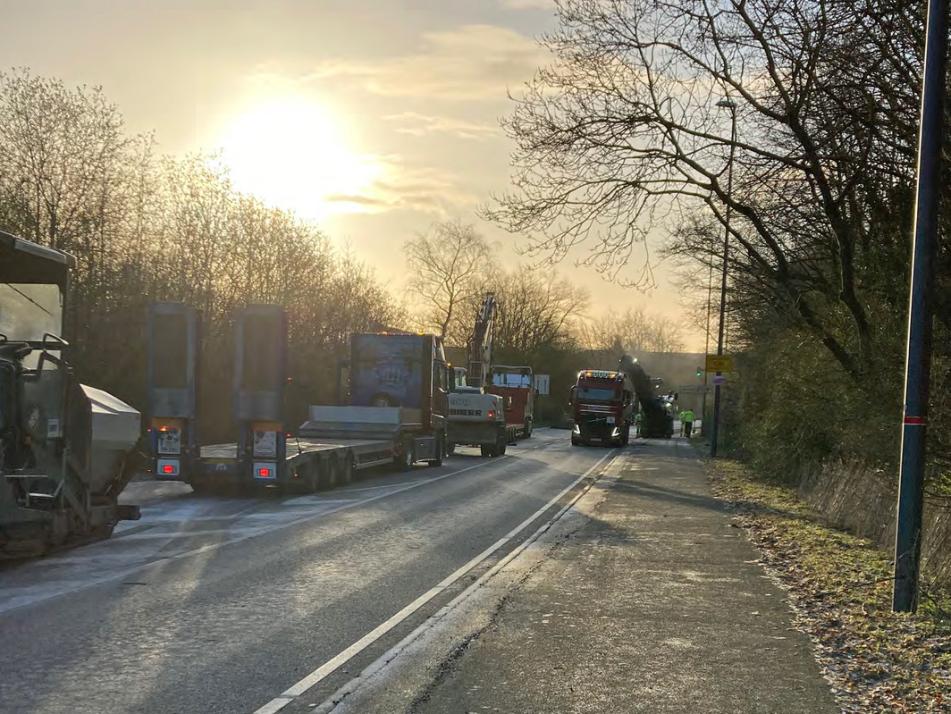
[516,386]
[602,407]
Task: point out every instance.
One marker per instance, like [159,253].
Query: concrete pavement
[642,598]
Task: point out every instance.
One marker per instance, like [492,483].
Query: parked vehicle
[397,389]
[67,450]
[516,386]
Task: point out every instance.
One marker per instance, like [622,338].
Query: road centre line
[315,677]
[239,539]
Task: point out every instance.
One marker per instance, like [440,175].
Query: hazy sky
[374,118]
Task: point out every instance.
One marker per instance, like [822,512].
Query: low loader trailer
[397,391]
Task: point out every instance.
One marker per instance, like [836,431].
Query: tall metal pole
[704,429]
[918,354]
[715,431]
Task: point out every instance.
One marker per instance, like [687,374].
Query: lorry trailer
[397,387]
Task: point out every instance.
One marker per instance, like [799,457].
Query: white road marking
[278,703]
[9,605]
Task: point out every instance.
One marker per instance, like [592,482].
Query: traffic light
[699,372]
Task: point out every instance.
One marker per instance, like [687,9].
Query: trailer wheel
[450,448]
[440,449]
[328,472]
[347,470]
[311,478]
[405,458]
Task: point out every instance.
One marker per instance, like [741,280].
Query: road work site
[551,579]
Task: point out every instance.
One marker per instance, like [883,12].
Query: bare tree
[447,268]
[622,134]
[632,332]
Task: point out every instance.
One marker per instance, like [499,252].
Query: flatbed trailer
[332,446]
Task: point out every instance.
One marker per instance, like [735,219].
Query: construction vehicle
[475,417]
[603,404]
[516,386]
[66,449]
[656,419]
[397,386]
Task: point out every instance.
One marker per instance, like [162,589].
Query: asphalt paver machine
[67,450]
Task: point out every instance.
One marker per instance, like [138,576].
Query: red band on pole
[914,421]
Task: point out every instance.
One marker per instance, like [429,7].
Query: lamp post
[725,103]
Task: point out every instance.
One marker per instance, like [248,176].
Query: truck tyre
[440,440]
[527,431]
[626,435]
[312,478]
[487,449]
[404,459]
[331,475]
[450,448]
[575,442]
[500,449]
[347,470]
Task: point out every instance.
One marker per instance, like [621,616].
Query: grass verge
[840,586]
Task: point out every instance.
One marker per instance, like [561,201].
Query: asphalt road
[220,604]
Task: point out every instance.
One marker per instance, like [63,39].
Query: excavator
[477,418]
[66,449]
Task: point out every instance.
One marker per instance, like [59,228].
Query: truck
[67,450]
[516,386]
[602,403]
[397,387]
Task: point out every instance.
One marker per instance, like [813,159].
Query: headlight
[616,432]
[576,429]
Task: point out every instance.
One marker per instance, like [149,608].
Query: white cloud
[416,124]
[469,62]
[404,186]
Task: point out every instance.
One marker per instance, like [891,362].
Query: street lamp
[725,103]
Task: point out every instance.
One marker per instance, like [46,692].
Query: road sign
[719,363]
[543,383]
[719,379]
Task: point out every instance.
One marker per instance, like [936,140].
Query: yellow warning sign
[719,363]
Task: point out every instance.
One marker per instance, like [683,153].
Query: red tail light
[264,472]
[491,414]
[168,469]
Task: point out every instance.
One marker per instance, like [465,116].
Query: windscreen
[170,347]
[30,310]
[263,341]
[511,379]
[595,394]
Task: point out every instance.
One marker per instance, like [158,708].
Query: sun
[292,153]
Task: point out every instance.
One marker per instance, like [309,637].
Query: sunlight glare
[292,154]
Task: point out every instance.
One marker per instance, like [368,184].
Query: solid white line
[391,654]
[376,633]
[258,531]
